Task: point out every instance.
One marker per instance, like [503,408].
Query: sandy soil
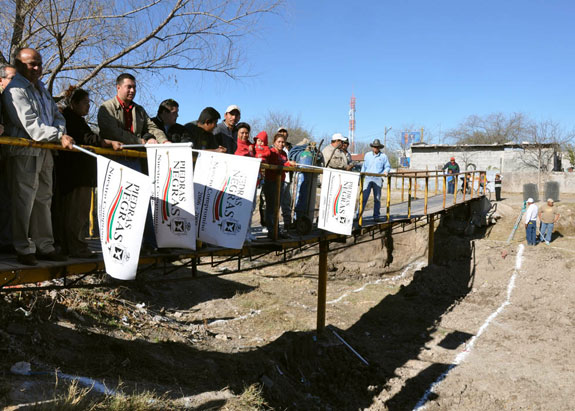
[202,342]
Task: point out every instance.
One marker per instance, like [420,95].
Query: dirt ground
[206,343]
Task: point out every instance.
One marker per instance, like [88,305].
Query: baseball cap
[452,158]
[345,139]
[282,129]
[337,137]
[232,108]
[550,200]
[530,200]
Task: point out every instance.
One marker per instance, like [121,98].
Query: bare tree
[81,40]
[543,142]
[496,128]
[273,120]
[545,139]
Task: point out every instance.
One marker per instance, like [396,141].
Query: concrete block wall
[508,160]
[513,182]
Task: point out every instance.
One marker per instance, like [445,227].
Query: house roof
[461,147]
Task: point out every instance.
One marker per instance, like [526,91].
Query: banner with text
[337,201]
[224,187]
[123,201]
[171,169]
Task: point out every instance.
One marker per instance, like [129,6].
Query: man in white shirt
[531,222]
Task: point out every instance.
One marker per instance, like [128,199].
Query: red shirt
[244,148]
[277,158]
[128,119]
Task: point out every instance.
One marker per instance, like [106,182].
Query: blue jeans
[451,187]
[376,197]
[545,231]
[530,232]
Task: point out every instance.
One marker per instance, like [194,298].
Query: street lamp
[385,136]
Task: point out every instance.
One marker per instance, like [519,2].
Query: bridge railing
[410,179]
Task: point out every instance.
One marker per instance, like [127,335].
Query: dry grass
[77,398]
[250,399]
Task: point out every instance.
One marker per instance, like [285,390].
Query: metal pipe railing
[412,175]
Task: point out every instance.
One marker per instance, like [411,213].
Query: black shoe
[27,259]
[51,256]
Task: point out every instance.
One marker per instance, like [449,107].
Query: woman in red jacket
[245,146]
[278,157]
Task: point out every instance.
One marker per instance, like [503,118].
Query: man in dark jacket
[227,131]
[166,120]
[452,165]
[201,132]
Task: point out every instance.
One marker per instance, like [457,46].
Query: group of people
[451,168]
[548,216]
[46,195]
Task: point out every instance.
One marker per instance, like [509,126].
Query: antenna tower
[352,123]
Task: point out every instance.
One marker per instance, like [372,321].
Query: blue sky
[422,63]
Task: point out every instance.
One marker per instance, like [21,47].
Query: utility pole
[385,136]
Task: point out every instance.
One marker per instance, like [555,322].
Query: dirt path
[509,344]
[525,358]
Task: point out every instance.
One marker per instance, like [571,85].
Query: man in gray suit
[32,114]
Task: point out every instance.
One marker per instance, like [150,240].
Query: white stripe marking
[463,355]
[394,278]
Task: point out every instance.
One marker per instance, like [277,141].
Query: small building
[509,157]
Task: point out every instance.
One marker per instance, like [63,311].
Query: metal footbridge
[408,197]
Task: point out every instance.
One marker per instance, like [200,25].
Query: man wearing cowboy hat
[374,162]
[531,222]
[548,216]
[333,155]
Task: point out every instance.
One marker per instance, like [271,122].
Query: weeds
[250,399]
[76,398]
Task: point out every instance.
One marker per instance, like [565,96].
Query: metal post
[431,240]
[415,188]
[426,192]
[360,213]
[322,285]
[402,188]
[277,206]
[436,182]
[388,213]
[409,200]
[455,183]
[444,190]
[195,266]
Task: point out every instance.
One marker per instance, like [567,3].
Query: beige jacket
[338,158]
[111,124]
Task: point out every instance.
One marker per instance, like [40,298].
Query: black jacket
[77,169]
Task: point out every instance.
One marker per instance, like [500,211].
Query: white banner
[171,169]
[224,188]
[123,200]
[337,201]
